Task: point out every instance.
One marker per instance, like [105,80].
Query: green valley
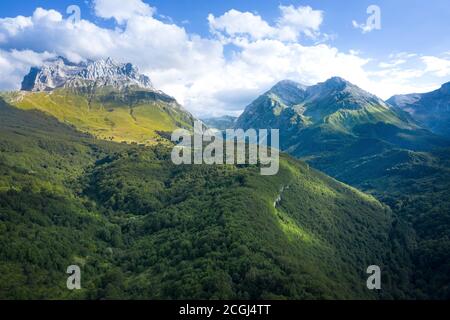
[87,180]
[358,139]
[141,227]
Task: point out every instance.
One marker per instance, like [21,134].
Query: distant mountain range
[141,227]
[334,118]
[220,123]
[431,110]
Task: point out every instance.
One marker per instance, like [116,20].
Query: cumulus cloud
[297,20]
[192,68]
[237,23]
[292,23]
[121,10]
[165,51]
[14,64]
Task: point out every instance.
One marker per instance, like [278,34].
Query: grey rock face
[60,72]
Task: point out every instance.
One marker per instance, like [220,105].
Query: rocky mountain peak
[335,84]
[60,72]
[288,91]
[288,84]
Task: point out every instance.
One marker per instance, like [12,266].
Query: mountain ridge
[60,72]
[430,109]
[141,227]
[335,107]
[107,99]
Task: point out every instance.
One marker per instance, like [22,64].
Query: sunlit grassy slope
[130,116]
[141,227]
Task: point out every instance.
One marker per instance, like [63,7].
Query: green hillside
[356,138]
[141,227]
[416,185]
[130,115]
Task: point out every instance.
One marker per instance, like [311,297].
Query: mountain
[330,116]
[109,100]
[141,227]
[357,138]
[220,123]
[59,73]
[431,110]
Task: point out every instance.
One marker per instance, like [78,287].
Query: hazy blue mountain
[221,123]
[431,110]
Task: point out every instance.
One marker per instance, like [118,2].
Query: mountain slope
[334,119]
[358,139]
[109,100]
[141,227]
[431,110]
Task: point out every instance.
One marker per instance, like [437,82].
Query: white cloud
[365,28]
[121,10]
[193,68]
[237,23]
[14,64]
[293,22]
[299,20]
[160,49]
[438,66]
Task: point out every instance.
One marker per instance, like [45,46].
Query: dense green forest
[358,139]
[417,189]
[141,227]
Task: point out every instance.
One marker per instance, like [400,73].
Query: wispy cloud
[365,28]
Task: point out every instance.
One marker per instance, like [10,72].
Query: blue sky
[217,65]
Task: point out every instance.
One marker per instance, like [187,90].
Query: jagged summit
[107,99]
[287,84]
[60,72]
[336,92]
[336,83]
[337,80]
[290,92]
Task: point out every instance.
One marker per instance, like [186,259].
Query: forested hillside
[141,227]
[358,139]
